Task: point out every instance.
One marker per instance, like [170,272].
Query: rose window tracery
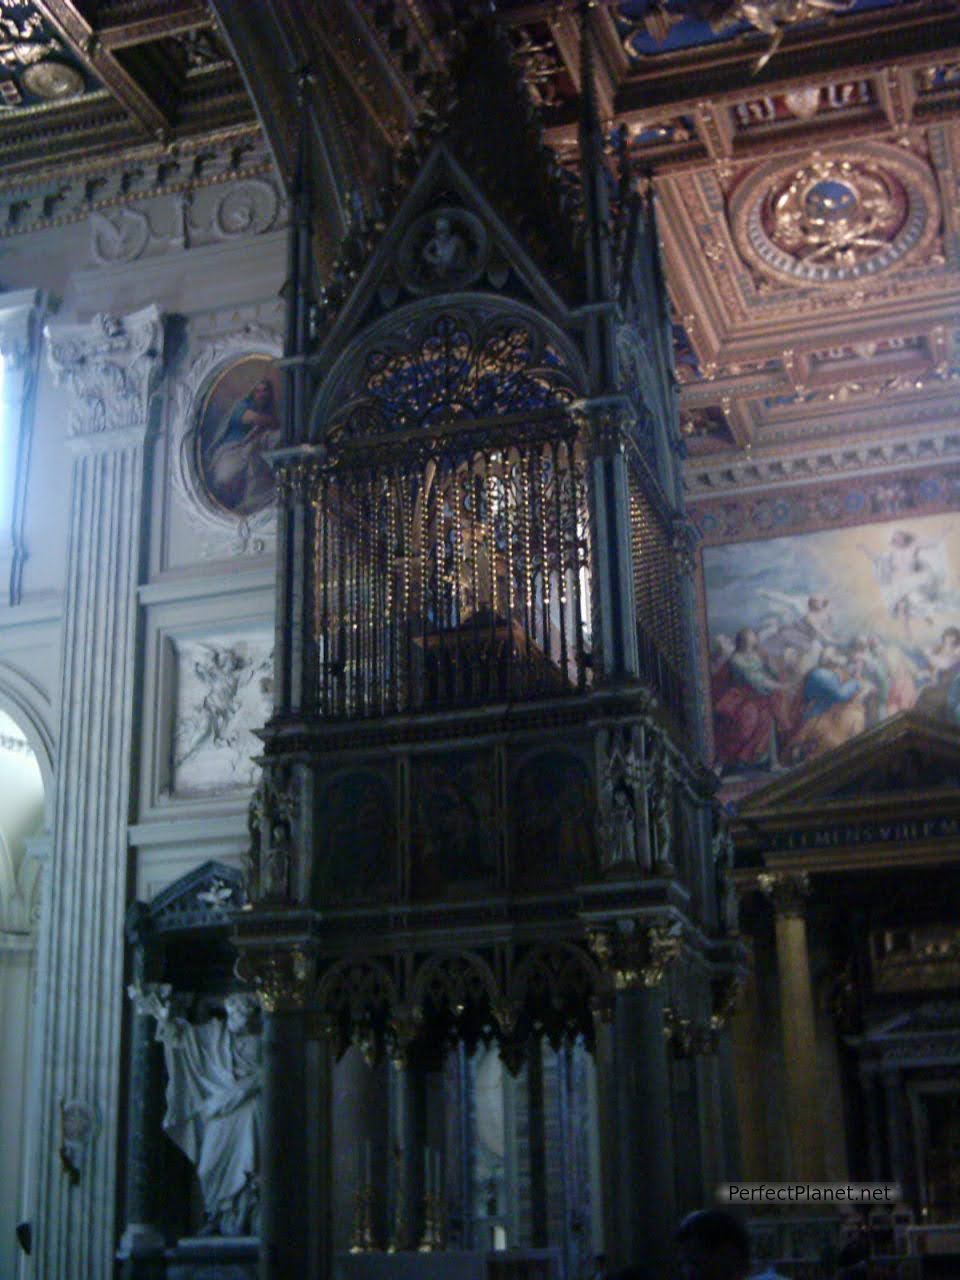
[452,367]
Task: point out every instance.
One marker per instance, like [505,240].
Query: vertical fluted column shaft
[110,367]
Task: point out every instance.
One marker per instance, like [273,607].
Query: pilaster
[109,367]
[19,351]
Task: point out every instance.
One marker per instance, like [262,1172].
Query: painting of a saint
[239,420]
[815,638]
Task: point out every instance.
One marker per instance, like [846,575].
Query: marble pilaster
[19,332]
[108,368]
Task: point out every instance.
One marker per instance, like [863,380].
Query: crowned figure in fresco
[214,1081]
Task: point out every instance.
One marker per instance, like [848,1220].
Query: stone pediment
[908,756]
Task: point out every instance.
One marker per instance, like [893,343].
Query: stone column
[896,1129]
[142,1243]
[295,651]
[109,368]
[612,558]
[296,1225]
[19,351]
[634,1096]
[537,1140]
[788,892]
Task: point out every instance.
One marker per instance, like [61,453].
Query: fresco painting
[239,419]
[816,638]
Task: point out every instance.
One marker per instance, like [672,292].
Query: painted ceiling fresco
[817,637]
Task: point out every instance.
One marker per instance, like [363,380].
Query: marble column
[636,1131]
[788,892]
[108,369]
[296,1168]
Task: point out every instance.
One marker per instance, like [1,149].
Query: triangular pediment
[446,237]
[908,756]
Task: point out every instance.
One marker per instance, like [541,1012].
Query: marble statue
[214,1080]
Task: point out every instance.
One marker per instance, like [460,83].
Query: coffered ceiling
[805,155]
[94,78]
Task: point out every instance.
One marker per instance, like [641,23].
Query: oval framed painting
[240,417]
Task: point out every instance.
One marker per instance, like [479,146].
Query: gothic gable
[445,238]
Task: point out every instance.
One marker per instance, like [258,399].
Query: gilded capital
[110,365]
[634,954]
[281,979]
[787,890]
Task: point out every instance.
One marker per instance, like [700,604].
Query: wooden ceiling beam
[176,18]
[85,44]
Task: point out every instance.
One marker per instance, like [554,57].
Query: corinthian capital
[110,365]
[787,890]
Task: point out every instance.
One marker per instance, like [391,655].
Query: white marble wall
[123,603]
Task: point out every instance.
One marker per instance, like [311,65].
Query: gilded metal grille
[452,568]
[656,594]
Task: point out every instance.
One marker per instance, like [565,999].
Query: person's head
[713,1245]
[746,640]
[241,1010]
[950,640]
[261,397]
[818,604]
[901,538]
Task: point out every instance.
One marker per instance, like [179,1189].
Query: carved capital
[683,544]
[607,423]
[281,979]
[110,366]
[297,472]
[687,1039]
[787,890]
[635,954]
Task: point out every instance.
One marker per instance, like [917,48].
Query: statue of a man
[214,1079]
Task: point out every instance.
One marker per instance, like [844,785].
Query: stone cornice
[110,366]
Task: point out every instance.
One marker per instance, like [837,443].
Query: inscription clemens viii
[868,833]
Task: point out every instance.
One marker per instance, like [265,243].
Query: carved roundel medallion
[836,220]
[445,249]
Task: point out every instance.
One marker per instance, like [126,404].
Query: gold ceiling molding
[839,218]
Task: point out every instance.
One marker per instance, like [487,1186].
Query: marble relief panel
[224,689]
